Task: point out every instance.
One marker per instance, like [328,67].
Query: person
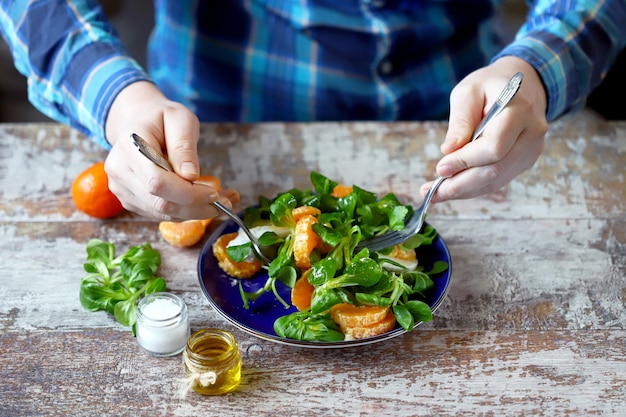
[287,60]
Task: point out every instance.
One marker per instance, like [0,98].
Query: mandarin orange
[91,193]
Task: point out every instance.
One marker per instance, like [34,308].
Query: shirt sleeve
[74,62]
[572,45]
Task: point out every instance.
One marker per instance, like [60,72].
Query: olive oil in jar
[212,362]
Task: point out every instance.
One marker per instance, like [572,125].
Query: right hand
[171,128]
[511,143]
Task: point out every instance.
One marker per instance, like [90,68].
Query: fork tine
[386,241]
[256,245]
[394,237]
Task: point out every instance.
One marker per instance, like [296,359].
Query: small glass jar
[212,362]
[162,324]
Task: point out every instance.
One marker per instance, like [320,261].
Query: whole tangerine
[91,193]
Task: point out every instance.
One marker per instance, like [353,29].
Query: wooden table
[534,322]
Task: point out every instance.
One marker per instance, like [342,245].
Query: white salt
[162,324]
[161,309]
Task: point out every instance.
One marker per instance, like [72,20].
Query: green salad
[338,273]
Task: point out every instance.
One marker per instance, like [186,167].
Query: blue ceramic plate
[222,291]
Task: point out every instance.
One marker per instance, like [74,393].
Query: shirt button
[385,67]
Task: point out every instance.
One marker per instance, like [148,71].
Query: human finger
[494,143]
[486,179]
[145,188]
[466,108]
[181,130]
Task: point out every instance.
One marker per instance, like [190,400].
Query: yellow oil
[212,362]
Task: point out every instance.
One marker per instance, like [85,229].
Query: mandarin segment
[350,315]
[361,332]
[188,233]
[302,292]
[243,269]
[302,211]
[304,241]
[358,322]
[341,190]
[183,234]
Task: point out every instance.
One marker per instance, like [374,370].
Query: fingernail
[445,170]
[214,196]
[188,168]
[234,197]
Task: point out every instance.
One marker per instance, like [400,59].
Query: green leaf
[363,271]
[425,237]
[270,238]
[288,276]
[308,326]
[323,299]
[329,236]
[281,211]
[155,285]
[421,281]
[115,283]
[348,205]
[397,217]
[322,271]
[239,253]
[281,261]
[403,316]
[126,312]
[372,299]
[419,310]
[438,267]
[322,184]
[101,251]
[94,297]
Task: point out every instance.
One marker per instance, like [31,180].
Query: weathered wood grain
[534,322]
[445,373]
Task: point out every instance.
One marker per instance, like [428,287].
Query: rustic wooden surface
[534,323]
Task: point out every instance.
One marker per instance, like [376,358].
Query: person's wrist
[531,77]
[133,96]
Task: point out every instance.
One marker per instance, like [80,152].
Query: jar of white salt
[162,324]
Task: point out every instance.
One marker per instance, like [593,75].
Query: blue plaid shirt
[301,60]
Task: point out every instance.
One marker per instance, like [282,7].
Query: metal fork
[264,253]
[415,223]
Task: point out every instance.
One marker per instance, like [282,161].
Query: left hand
[510,144]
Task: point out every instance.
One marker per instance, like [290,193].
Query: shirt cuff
[557,71]
[82,96]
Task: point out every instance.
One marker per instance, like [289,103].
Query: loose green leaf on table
[116,283]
